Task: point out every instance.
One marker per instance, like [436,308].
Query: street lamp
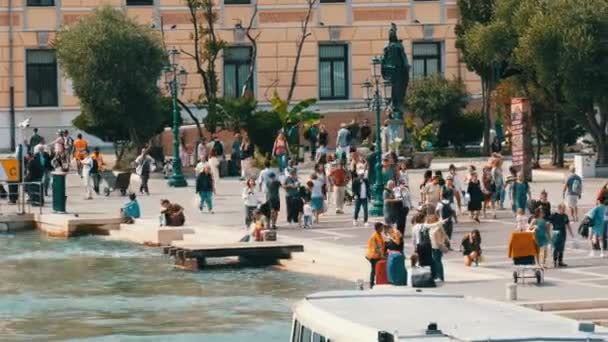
[175,79]
[377,96]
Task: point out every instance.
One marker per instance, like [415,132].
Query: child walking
[540,227]
[308,214]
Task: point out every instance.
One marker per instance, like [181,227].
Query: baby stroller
[114,181]
[523,250]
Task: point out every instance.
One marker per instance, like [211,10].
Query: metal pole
[177,179]
[377,200]
[11,77]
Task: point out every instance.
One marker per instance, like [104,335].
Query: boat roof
[408,313]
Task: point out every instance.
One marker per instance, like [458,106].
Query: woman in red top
[280,150]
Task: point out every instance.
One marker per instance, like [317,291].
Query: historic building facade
[335,59]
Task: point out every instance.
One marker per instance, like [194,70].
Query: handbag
[585,227]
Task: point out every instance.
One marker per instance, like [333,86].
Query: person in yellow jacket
[96,169]
[375,250]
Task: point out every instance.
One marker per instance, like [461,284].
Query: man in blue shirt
[130,210]
[343,142]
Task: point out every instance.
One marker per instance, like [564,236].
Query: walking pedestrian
[272,198]
[205,187]
[365,131]
[342,143]
[498,182]
[560,222]
[432,194]
[487,188]
[391,204]
[542,203]
[280,151]
[375,251]
[98,166]
[235,155]
[573,191]
[292,198]
[339,178]
[521,193]
[250,200]
[475,197]
[214,166]
[457,186]
[599,219]
[35,139]
[361,193]
[45,161]
[439,245]
[183,152]
[541,228]
[317,201]
[87,164]
[312,135]
[247,152]
[144,166]
[445,213]
[308,214]
[81,150]
[402,193]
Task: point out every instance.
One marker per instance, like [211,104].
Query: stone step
[147,232]
[565,305]
[585,314]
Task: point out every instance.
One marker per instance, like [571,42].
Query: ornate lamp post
[175,80]
[377,97]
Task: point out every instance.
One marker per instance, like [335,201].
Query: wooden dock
[192,257]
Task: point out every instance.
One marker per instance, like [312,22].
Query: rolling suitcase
[395,267]
[422,277]
[381,276]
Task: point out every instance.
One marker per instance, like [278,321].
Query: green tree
[564,46]
[206,50]
[434,99]
[262,128]
[114,64]
[472,14]
[235,113]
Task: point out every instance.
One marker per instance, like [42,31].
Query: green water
[96,290]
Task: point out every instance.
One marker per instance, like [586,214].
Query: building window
[140,2]
[237,61]
[41,78]
[41,2]
[333,75]
[237,2]
[426,59]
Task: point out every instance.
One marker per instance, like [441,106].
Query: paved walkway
[336,248]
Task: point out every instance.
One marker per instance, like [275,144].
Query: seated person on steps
[171,214]
[130,211]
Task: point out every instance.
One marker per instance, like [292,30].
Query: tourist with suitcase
[375,252]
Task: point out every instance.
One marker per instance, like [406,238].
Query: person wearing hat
[573,190]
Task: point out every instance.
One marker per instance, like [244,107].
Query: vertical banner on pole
[521,136]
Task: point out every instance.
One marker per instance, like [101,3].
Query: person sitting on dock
[130,211]
[171,214]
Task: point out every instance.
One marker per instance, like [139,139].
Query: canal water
[96,290]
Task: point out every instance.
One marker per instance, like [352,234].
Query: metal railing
[22,197]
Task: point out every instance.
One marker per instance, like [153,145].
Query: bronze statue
[396,69]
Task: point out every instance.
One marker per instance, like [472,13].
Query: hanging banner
[521,136]
[9,170]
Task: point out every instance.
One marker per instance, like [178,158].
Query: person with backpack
[96,168]
[144,164]
[217,147]
[205,187]
[599,220]
[439,245]
[375,251]
[312,134]
[573,190]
